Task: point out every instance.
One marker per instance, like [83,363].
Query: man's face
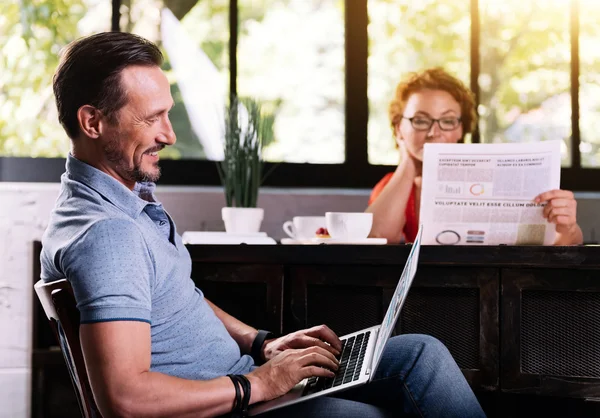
[142,128]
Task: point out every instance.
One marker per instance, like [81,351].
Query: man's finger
[307,341]
[319,356]
[316,371]
[326,334]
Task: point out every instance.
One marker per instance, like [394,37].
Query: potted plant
[247,130]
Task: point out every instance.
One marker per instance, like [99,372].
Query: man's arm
[110,284]
[117,357]
[319,336]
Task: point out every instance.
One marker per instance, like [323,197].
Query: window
[194,39]
[326,69]
[524,79]
[290,55]
[589,84]
[298,74]
[407,36]
[31,34]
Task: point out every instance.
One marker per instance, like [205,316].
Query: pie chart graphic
[448,237]
[476,189]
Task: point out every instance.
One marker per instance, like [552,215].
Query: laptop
[361,351]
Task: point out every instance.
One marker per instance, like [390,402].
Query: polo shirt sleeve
[110,269]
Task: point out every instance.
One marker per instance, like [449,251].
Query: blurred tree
[291,57]
[407,36]
[31,35]
[525,64]
[525,68]
[205,22]
[589,81]
[524,76]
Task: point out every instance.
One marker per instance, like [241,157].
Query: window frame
[355,172]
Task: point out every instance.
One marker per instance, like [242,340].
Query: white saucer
[225,238]
[363,241]
[292,241]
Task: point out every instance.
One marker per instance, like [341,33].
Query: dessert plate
[292,241]
[363,241]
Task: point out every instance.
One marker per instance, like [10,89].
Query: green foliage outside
[525,67]
[31,35]
[524,81]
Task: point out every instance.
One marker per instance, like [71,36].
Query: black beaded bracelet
[256,349]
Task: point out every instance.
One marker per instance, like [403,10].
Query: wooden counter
[516,319]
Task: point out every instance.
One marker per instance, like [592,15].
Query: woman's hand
[561,210]
[408,164]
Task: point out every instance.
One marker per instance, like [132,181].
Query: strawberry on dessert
[323,233]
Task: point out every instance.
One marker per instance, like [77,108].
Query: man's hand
[561,209]
[319,336]
[279,375]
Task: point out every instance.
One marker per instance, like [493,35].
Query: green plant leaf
[247,129]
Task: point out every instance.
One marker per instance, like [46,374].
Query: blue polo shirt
[125,261]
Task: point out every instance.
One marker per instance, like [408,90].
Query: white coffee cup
[303,227]
[349,225]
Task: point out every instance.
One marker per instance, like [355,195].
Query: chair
[59,305]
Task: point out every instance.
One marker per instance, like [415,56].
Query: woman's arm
[390,206]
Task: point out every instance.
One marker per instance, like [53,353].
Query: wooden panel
[349,298]
[459,306]
[551,332]
[346,298]
[251,293]
[391,255]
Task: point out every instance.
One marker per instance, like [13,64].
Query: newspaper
[482,194]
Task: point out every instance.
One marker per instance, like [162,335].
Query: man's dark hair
[89,73]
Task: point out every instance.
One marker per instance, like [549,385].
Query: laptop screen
[393,312]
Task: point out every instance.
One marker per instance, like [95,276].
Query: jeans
[417,377]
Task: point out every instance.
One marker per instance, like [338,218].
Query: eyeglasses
[422,123]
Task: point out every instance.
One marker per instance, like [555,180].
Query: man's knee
[421,343]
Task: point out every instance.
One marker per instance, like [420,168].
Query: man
[153,345]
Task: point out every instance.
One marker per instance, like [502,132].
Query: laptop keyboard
[351,361]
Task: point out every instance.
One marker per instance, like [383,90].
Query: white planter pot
[242,220]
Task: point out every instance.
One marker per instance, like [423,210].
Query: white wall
[24,210]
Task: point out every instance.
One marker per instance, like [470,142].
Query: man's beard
[130,172]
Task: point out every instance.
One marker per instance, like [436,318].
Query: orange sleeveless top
[410,226]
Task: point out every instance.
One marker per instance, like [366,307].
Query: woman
[433,106]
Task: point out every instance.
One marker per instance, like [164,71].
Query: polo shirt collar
[130,202]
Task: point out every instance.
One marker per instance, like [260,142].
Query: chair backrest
[59,305]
